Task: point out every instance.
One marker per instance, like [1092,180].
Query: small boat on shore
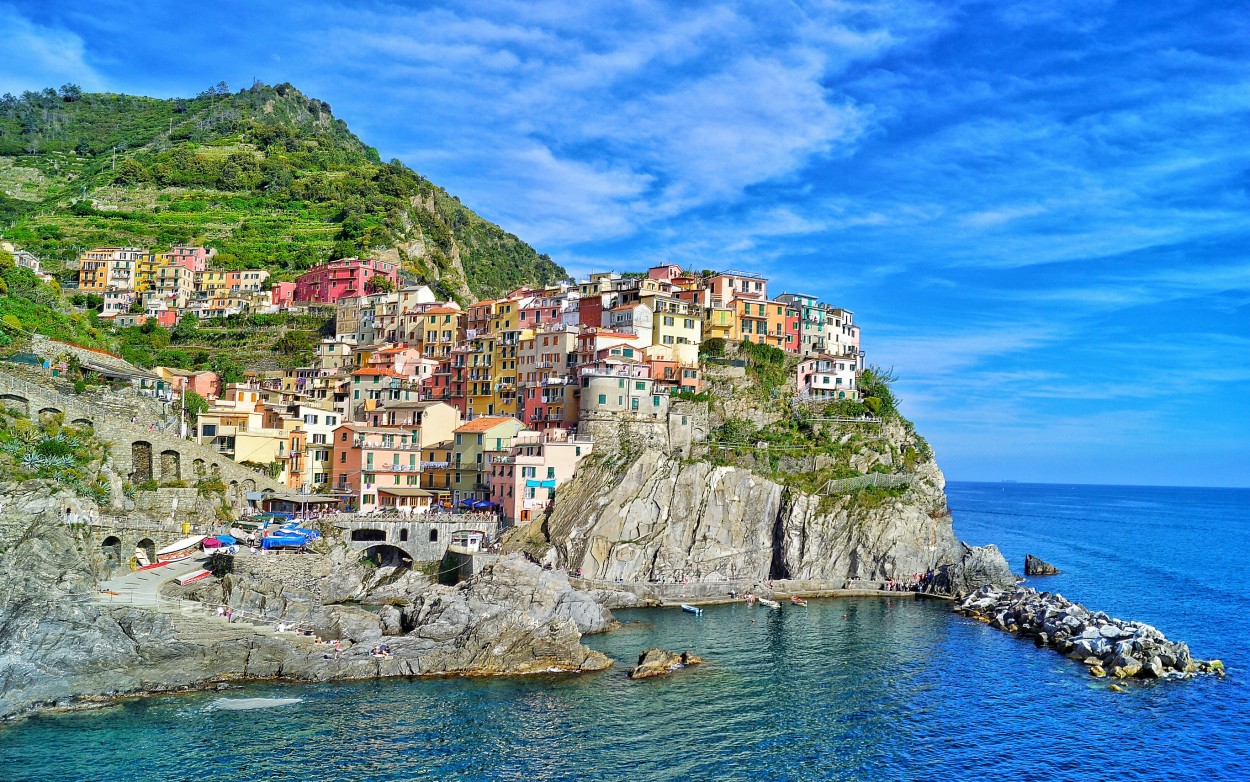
[798,601]
[692,609]
[770,603]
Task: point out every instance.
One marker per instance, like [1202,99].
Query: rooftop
[485,423]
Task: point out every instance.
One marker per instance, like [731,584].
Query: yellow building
[676,325]
[105,268]
[720,323]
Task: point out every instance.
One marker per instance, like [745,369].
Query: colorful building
[523,481]
[341,279]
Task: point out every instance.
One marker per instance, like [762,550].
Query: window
[603,399]
[528,472]
[640,385]
[655,401]
[551,473]
[433,535]
[633,404]
[343,458]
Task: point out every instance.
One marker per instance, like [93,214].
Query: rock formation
[1036,567]
[661,662]
[659,518]
[977,567]
[1108,646]
[57,643]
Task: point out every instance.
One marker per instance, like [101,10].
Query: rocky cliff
[654,517]
[58,643]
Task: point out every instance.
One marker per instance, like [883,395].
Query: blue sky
[1037,210]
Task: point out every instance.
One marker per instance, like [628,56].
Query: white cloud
[37,56]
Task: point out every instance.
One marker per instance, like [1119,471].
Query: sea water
[865,689]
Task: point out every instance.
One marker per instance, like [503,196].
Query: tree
[227,368]
[195,404]
[380,284]
[71,93]
[186,327]
[136,307]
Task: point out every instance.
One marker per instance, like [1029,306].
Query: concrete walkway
[143,587]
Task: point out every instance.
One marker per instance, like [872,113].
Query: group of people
[381,650]
[919,583]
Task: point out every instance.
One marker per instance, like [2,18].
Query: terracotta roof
[370,371]
[485,423]
[443,311]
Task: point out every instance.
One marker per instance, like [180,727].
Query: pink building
[282,293]
[379,467]
[342,279]
[524,482]
[192,258]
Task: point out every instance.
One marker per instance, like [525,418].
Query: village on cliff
[416,404]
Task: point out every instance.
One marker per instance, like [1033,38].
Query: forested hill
[266,175]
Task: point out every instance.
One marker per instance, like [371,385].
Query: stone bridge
[139,453]
[423,537]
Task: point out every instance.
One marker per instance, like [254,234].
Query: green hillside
[265,175]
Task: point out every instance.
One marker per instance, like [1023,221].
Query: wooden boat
[798,601]
[770,603]
[692,609]
[187,547]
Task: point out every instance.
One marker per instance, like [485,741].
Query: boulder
[661,662]
[1036,567]
[979,566]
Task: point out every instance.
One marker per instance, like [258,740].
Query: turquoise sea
[868,689]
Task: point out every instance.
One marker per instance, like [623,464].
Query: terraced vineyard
[266,175]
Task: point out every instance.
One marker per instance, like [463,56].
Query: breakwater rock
[1036,567]
[976,567]
[1110,647]
[661,662]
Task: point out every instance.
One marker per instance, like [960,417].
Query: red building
[346,278]
[283,294]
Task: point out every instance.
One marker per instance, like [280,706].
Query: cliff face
[660,518]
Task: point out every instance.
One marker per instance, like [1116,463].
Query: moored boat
[798,601]
[770,603]
[692,609]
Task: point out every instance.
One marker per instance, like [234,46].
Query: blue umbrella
[228,540]
[468,503]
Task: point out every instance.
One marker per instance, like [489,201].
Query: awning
[405,491]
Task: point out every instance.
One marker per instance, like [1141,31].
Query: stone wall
[679,432]
[424,538]
[137,452]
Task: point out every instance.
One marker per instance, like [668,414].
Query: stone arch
[388,556]
[171,465]
[198,468]
[23,403]
[111,548]
[83,422]
[215,470]
[145,550]
[140,461]
[50,410]
[249,485]
[368,535]
[234,491]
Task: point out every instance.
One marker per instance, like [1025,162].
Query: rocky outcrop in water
[659,518]
[1110,647]
[1036,567]
[661,662]
[977,566]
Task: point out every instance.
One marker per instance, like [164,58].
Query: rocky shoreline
[1110,647]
